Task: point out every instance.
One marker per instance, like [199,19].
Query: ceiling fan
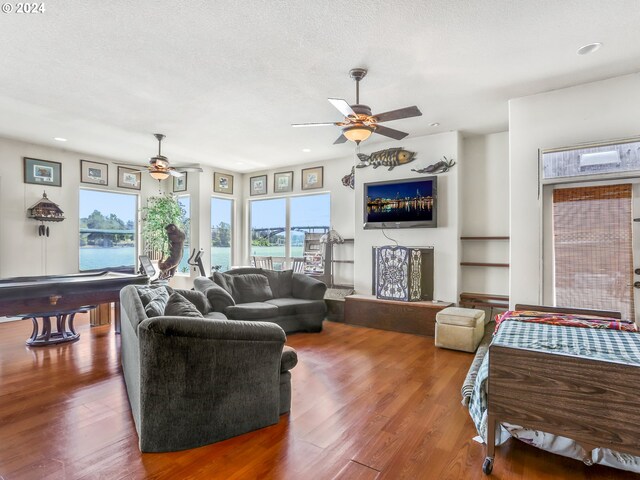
[359,123]
[159,167]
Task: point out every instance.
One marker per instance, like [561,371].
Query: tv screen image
[401,203]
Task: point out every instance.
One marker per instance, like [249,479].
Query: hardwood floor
[367,404]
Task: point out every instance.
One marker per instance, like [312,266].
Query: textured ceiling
[224,79]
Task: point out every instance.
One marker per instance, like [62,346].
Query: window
[308,214]
[221,233]
[279,226]
[592,241]
[268,228]
[185,203]
[107,230]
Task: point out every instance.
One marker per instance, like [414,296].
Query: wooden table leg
[116,316]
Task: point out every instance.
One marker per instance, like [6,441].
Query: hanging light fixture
[159,174]
[357,133]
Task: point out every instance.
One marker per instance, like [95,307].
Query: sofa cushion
[149,292]
[155,307]
[293,306]
[251,311]
[215,316]
[178,306]
[247,288]
[281,282]
[198,299]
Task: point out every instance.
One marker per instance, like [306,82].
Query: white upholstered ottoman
[459,328]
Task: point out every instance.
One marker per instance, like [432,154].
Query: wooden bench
[483,300]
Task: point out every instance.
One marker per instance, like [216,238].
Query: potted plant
[161,210]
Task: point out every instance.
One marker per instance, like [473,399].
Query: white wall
[347,207]
[485,212]
[444,238]
[22,251]
[585,113]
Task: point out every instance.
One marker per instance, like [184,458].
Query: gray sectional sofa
[292,300]
[194,380]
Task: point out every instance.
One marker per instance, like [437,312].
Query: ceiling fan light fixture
[159,174]
[357,133]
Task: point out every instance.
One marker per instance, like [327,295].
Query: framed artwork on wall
[95,173]
[180,183]
[42,172]
[129,178]
[312,178]
[258,185]
[283,182]
[222,183]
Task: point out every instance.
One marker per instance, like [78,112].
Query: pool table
[29,296]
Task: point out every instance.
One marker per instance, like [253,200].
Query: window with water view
[221,212]
[107,230]
[273,236]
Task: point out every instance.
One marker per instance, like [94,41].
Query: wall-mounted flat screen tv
[401,203]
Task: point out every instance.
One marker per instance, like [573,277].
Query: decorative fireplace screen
[403,273]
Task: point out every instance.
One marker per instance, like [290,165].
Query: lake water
[103,258]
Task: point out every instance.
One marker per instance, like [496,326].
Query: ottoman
[459,328]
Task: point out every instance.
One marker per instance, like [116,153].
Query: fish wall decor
[391,157]
[438,167]
[349,179]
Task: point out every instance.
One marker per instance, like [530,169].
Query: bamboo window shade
[592,241]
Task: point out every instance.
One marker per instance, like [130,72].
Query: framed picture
[283,182]
[180,183]
[42,172]
[258,185]
[312,178]
[94,172]
[129,178]
[222,183]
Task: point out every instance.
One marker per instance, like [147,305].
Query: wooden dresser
[407,317]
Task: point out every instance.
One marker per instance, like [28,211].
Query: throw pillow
[251,288]
[178,306]
[281,282]
[148,292]
[157,304]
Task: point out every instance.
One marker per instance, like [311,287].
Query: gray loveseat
[292,300]
[195,381]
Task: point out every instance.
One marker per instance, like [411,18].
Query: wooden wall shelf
[484,238]
[481,264]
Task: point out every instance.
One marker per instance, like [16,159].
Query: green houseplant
[161,210]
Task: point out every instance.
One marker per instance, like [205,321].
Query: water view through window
[271,234]
[107,230]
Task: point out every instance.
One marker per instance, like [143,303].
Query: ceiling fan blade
[340,139]
[406,112]
[189,168]
[131,165]
[326,124]
[342,106]
[390,132]
[174,173]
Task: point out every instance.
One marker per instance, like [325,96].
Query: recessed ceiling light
[306,150]
[434,124]
[60,139]
[590,48]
